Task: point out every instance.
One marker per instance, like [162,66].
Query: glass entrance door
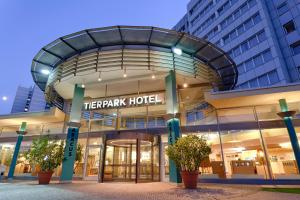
[120,160]
[92,163]
[131,160]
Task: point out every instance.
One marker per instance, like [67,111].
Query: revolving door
[131,157]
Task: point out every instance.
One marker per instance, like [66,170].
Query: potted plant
[47,155]
[187,153]
[78,158]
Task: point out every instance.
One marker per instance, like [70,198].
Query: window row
[248,44]
[282,8]
[202,13]
[295,47]
[238,13]
[264,80]
[255,61]
[196,6]
[230,2]
[235,15]
[255,19]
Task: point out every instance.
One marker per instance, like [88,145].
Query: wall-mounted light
[177,51]
[45,71]
[124,75]
[153,76]
[82,85]
[185,85]
[99,78]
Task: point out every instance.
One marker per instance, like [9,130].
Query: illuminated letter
[139,100]
[122,102]
[99,104]
[132,101]
[157,100]
[86,106]
[93,105]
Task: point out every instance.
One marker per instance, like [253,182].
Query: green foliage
[79,153]
[188,152]
[45,153]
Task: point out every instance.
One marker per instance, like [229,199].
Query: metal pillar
[173,122]
[287,115]
[221,143]
[72,136]
[103,155]
[138,158]
[21,133]
[263,144]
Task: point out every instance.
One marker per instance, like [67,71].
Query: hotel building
[262,37]
[126,93]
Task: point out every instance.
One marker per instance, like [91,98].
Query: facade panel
[261,36]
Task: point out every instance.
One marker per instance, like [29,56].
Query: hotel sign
[123,102]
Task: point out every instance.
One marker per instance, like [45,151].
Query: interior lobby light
[185,85]
[177,51]
[45,71]
[99,78]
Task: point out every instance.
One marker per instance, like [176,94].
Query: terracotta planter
[190,179]
[45,177]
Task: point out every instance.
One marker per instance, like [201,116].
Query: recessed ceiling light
[45,71]
[177,51]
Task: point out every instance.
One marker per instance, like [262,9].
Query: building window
[263,80]
[253,83]
[296,48]
[267,56]
[289,27]
[249,65]
[273,76]
[241,68]
[282,8]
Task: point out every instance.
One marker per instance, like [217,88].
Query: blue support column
[72,136]
[173,122]
[287,118]
[21,133]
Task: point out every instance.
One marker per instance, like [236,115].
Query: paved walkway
[131,191]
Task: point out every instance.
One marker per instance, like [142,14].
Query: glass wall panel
[243,154]
[234,115]
[280,152]
[23,167]
[92,158]
[9,131]
[146,167]
[79,161]
[213,167]
[268,112]
[6,154]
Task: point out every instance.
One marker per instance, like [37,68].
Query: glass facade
[247,143]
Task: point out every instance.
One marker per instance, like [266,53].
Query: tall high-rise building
[29,100]
[262,36]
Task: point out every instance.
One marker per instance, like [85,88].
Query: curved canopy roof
[63,48]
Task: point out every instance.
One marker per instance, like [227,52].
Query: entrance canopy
[133,37]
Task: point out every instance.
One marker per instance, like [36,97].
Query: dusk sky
[27,26]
